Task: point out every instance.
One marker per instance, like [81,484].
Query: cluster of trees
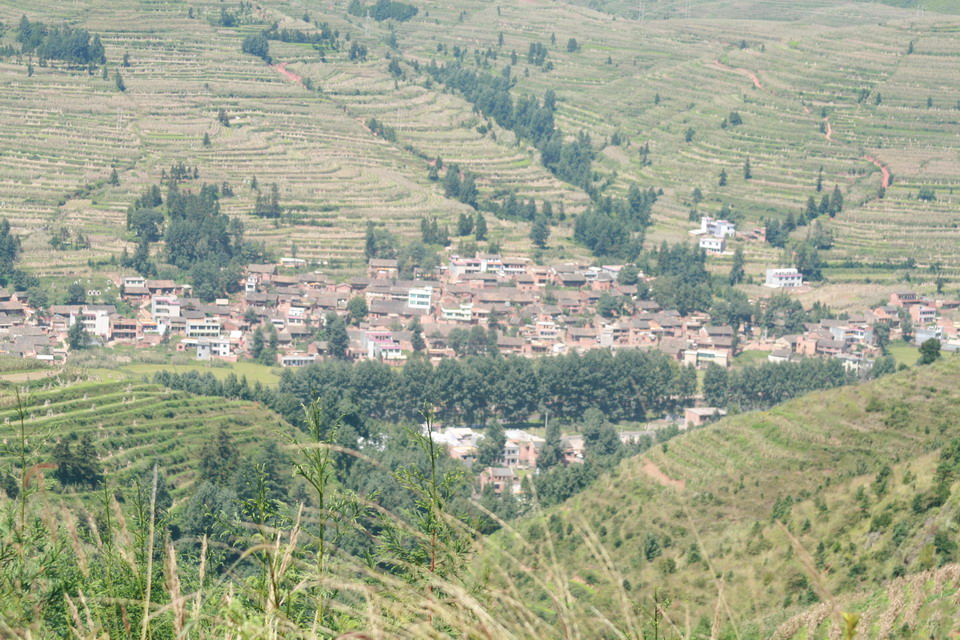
[267,205]
[379,128]
[537,54]
[62,240]
[198,238]
[475,224]
[327,38]
[768,384]
[383,10]
[358,52]
[9,255]
[460,186]
[614,227]
[628,385]
[433,233]
[74,46]
[414,256]
[77,466]
[257,45]
[683,282]
[530,119]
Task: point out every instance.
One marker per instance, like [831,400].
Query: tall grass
[116,568]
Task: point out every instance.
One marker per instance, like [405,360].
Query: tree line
[383,10]
[74,46]
[529,118]
[628,385]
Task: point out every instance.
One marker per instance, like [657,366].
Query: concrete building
[720,228]
[713,244]
[783,278]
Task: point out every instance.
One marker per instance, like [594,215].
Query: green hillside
[132,425]
[860,477]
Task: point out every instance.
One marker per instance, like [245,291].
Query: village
[477,304]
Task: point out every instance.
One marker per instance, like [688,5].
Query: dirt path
[883,170]
[743,72]
[25,376]
[829,133]
[651,469]
[281,68]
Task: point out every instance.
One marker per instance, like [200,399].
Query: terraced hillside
[856,88]
[763,519]
[132,425]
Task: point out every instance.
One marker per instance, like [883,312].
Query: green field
[904,353]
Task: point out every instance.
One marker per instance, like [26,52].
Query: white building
[297,360]
[721,228]
[164,307]
[783,278]
[203,328]
[95,320]
[212,347]
[420,298]
[134,282]
[713,244]
[463,313]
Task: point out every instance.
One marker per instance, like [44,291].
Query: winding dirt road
[743,72]
[884,171]
[281,68]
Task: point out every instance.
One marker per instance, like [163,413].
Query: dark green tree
[540,232]
[77,336]
[929,351]
[737,269]
[218,458]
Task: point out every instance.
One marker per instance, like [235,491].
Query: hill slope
[850,473]
[132,425]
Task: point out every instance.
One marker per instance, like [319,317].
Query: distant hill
[855,475]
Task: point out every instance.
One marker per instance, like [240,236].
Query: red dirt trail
[829,133]
[883,170]
[652,470]
[286,73]
[743,72]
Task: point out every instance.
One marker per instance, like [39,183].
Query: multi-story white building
[783,278]
[203,328]
[720,228]
[713,244]
[420,298]
[96,320]
[164,307]
[463,313]
[212,347]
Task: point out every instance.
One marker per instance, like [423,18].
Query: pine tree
[737,270]
[820,179]
[206,139]
[218,458]
[552,453]
[114,177]
[836,201]
[540,232]
[480,227]
[338,342]
[746,170]
[370,242]
[723,178]
[118,81]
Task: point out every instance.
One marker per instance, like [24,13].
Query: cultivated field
[134,424]
[818,83]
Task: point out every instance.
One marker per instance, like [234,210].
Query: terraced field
[132,424]
[805,76]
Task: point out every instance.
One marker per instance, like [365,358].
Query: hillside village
[480,304]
